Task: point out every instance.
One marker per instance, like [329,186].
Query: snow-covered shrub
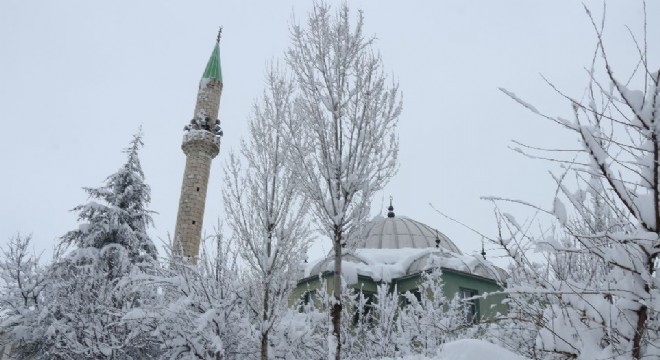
[429,318]
[202,312]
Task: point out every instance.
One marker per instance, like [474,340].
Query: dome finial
[483,250]
[390,209]
[217,40]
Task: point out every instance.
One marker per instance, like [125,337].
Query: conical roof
[213,69]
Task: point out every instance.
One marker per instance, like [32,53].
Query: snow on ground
[468,349]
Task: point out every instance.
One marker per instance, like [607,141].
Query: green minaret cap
[213,69]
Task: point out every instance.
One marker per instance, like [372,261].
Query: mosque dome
[394,232]
[391,247]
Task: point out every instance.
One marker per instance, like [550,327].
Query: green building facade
[396,251]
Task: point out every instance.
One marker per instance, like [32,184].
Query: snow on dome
[394,247]
[388,264]
[399,233]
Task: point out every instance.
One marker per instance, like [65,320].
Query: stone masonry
[201,143]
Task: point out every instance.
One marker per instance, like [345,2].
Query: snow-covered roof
[400,233]
[394,247]
[388,264]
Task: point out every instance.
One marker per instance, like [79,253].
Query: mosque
[393,249]
[396,250]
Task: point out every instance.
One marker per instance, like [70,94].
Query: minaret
[201,143]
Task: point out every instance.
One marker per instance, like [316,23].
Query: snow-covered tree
[90,289]
[301,334]
[203,310]
[382,334]
[357,322]
[342,140]
[87,300]
[606,306]
[117,213]
[264,208]
[23,280]
[429,318]
[387,324]
[535,287]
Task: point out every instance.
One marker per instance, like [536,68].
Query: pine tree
[92,288]
[117,213]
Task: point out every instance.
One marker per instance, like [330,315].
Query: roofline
[405,277]
[330,272]
[450,270]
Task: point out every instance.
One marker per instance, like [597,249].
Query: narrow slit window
[193,222]
[198,188]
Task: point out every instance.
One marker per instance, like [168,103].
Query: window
[308,300]
[309,297]
[470,306]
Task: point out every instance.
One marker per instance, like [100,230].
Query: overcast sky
[77,79]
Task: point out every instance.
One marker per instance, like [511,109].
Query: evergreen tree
[91,303]
[121,217]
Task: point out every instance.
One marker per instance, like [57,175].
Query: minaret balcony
[201,139]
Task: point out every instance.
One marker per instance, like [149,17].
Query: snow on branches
[597,294]
[342,138]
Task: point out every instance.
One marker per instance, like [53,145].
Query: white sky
[77,78]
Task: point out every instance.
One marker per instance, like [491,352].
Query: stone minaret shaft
[201,143]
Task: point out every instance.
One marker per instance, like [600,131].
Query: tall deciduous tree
[342,140]
[264,207]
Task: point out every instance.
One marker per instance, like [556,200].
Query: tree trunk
[264,345]
[642,314]
[335,312]
[264,318]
